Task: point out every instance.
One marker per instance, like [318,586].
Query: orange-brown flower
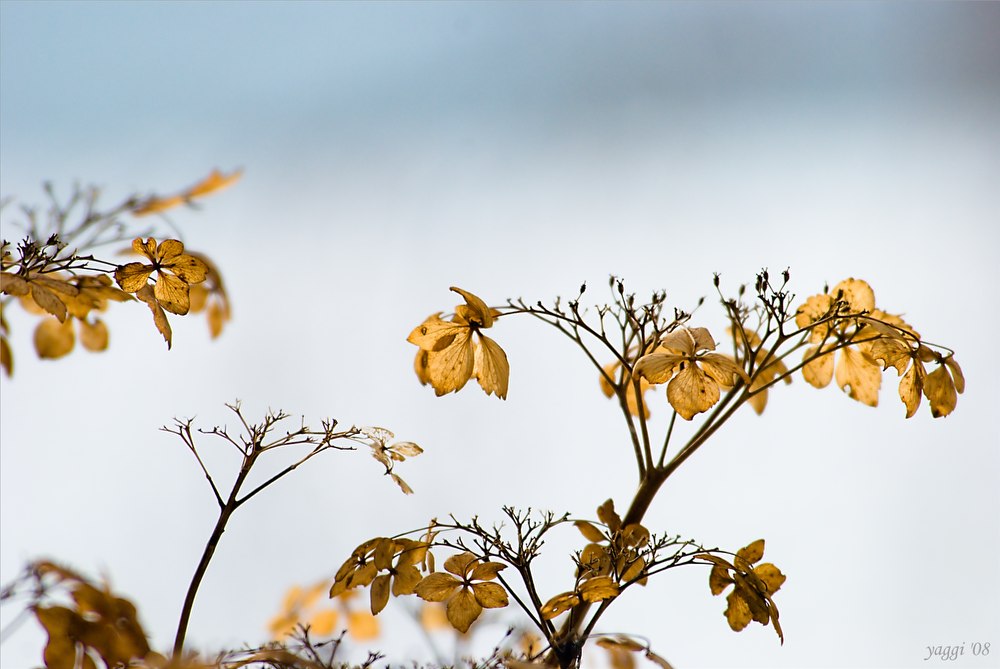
[449,355]
[685,359]
[175,271]
[753,584]
[856,372]
[901,349]
[466,590]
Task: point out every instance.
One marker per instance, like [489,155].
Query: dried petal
[939,388]
[692,392]
[463,610]
[437,587]
[491,367]
[858,372]
[559,604]
[54,339]
[490,595]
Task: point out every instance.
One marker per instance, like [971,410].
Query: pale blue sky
[394,149]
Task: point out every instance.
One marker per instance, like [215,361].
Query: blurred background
[392,150]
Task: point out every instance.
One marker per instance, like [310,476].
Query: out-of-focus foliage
[60,270]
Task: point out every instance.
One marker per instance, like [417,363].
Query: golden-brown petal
[634,570]
[433,617]
[738,611]
[420,367]
[198,297]
[412,553]
[611,369]
[812,310]
[451,368]
[12,284]
[463,609]
[910,388]
[364,575]
[658,367]
[683,340]
[405,449]
[490,367]
[770,575]
[939,389]
[379,593]
[772,370]
[385,549]
[430,334]
[146,248]
[169,251]
[598,588]
[281,626]
[723,369]
[718,578]
[857,293]
[54,339]
[859,372]
[486,571]
[956,373]
[490,595]
[403,485]
[892,352]
[589,531]
[159,318]
[6,357]
[406,580]
[218,314]
[133,276]
[558,604]
[188,269]
[606,514]
[703,340]
[48,301]
[437,587]
[157,204]
[692,392]
[460,564]
[890,325]
[819,372]
[94,336]
[213,182]
[172,294]
[481,312]
[323,622]
[752,552]
[362,625]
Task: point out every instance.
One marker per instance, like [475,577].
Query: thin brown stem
[206,557]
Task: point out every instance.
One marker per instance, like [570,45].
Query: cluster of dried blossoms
[844,334]
[53,273]
[841,335]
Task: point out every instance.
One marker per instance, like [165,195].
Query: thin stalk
[206,557]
